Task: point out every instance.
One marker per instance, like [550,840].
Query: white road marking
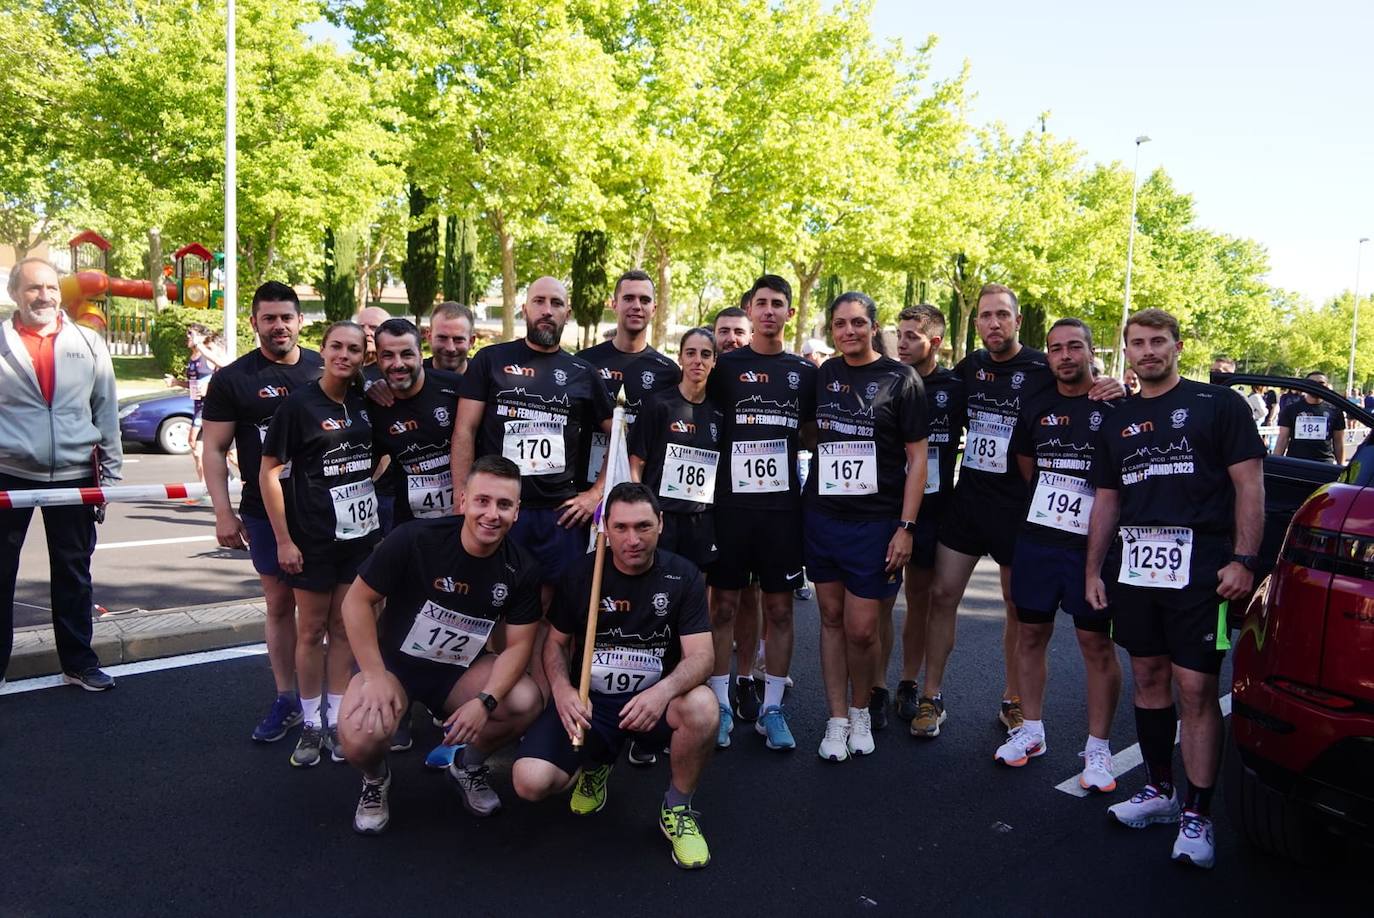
[144,543]
[145,666]
[1128,758]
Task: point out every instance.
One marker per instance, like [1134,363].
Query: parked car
[160,419]
[1302,706]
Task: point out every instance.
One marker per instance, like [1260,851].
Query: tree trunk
[507,242]
[663,314]
[155,271]
[806,282]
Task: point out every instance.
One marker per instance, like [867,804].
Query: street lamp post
[1119,361]
[231,241]
[1355,322]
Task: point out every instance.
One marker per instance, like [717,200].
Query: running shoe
[860,732]
[92,679]
[908,700]
[1097,771]
[336,753]
[835,743]
[760,671]
[1021,746]
[1195,844]
[680,827]
[772,724]
[639,756]
[748,699]
[308,747]
[474,787]
[877,707]
[930,714]
[441,756]
[373,813]
[589,790]
[727,725]
[401,739]
[1145,808]
[284,714]
[1010,715]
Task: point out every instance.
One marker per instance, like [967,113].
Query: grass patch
[142,371]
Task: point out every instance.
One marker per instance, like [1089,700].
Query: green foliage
[167,337]
[591,289]
[421,268]
[336,283]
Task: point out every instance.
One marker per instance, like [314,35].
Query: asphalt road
[183,566]
[151,800]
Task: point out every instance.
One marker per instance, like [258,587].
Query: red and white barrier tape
[66,497]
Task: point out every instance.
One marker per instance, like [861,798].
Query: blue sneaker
[285,714]
[772,724]
[727,723]
[400,740]
[441,756]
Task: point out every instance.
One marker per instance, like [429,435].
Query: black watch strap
[1250,562]
[908,525]
[488,701]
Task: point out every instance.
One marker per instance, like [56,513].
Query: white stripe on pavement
[144,543]
[143,666]
[1128,758]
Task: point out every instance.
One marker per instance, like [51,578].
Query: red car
[1302,714]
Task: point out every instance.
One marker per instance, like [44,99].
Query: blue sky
[1259,109]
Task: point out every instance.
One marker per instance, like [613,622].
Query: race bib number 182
[355,509]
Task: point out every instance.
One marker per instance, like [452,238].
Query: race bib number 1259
[1159,557]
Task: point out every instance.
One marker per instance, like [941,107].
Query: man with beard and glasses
[238,409]
[451,328]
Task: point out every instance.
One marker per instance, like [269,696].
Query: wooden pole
[584,685]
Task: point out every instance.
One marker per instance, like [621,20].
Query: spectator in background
[1369,400]
[1271,402]
[59,428]
[1131,382]
[1223,365]
[204,359]
[817,351]
[1258,409]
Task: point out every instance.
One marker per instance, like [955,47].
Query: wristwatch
[488,701]
[1250,562]
[907,526]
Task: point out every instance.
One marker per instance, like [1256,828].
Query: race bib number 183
[986,446]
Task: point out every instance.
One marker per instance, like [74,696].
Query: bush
[167,338]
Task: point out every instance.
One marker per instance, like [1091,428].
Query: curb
[145,636]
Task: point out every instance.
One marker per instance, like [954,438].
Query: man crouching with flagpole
[645,637]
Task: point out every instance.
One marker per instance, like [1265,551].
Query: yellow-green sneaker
[589,791]
[680,826]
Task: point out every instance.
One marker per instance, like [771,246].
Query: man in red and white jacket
[59,428]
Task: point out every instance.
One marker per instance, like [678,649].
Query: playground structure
[87,290]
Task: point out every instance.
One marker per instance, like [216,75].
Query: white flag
[617,470]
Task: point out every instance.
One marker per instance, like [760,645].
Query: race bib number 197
[622,670]
[1159,557]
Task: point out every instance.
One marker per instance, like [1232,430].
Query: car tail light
[1330,551]
[1314,695]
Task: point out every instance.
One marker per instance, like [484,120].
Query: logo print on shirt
[837,387]
[872,389]
[606,373]
[449,585]
[1095,420]
[514,369]
[715,434]
[335,424]
[441,415]
[1131,430]
[985,376]
[499,592]
[750,376]
[614,605]
[1055,420]
[1018,379]
[660,604]
[399,427]
[560,377]
[793,379]
[647,379]
[273,392]
[942,398]
[682,427]
[1179,418]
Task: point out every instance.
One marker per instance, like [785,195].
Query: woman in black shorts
[324,515]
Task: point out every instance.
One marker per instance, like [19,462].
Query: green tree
[421,268]
[591,289]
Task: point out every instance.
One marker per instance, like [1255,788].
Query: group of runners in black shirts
[465,584]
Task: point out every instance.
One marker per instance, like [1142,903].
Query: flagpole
[615,448]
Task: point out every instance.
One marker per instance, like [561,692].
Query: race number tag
[932,469]
[600,444]
[1156,556]
[847,468]
[355,509]
[759,466]
[1310,427]
[986,446]
[535,446]
[430,495]
[622,670]
[689,474]
[1061,502]
[445,636]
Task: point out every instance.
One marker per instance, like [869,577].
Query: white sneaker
[835,743]
[1194,844]
[1097,771]
[1145,808]
[860,731]
[1021,746]
[373,813]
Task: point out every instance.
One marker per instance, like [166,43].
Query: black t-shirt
[684,438]
[1169,457]
[440,600]
[765,399]
[945,420]
[1312,429]
[416,433]
[1060,433]
[639,375]
[247,393]
[540,408]
[641,622]
[329,492]
[865,417]
[997,393]
[428,364]
[386,482]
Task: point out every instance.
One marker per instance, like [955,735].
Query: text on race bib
[847,468]
[430,495]
[759,466]
[986,446]
[689,474]
[445,636]
[932,469]
[1310,427]
[536,447]
[1061,502]
[600,444]
[622,670]
[1156,556]
[355,509]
